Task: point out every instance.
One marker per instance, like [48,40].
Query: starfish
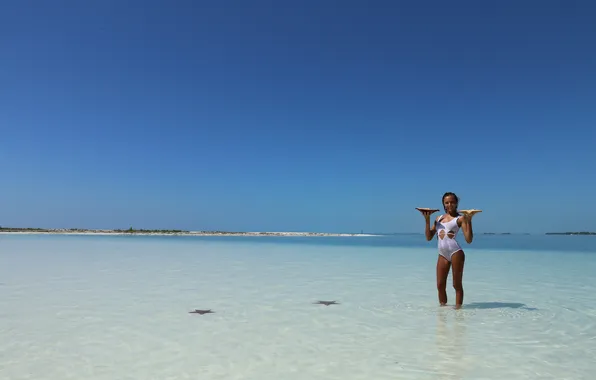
[326,303]
[197,311]
[426,209]
[471,212]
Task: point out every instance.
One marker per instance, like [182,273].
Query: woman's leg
[443,266]
[457,261]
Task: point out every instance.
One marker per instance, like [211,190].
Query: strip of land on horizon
[130,231]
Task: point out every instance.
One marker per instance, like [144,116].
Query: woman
[451,253]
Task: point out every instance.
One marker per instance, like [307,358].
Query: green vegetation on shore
[82,230]
[133,231]
[143,231]
[571,233]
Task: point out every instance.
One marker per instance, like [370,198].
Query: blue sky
[297,116]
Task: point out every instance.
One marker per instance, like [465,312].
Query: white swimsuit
[446,233]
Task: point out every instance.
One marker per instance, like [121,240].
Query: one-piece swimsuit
[447,233]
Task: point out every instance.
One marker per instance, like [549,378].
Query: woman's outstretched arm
[466,226]
[429,230]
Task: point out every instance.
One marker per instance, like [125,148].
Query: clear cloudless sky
[336,116]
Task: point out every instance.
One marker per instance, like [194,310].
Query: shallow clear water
[96,307]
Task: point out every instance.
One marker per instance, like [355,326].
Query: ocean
[117,307]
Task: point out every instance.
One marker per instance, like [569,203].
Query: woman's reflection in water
[451,343]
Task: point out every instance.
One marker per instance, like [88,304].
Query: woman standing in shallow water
[451,253]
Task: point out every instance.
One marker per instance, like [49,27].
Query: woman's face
[450,204]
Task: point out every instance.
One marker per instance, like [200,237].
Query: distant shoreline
[131,232]
[78,231]
[571,233]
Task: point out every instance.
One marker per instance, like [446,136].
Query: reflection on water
[498,305]
[451,342]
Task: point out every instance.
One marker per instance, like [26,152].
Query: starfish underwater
[326,303]
[196,311]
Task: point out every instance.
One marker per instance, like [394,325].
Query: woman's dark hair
[448,194]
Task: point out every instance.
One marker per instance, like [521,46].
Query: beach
[107,307]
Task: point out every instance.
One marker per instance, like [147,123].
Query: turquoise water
[106,307]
